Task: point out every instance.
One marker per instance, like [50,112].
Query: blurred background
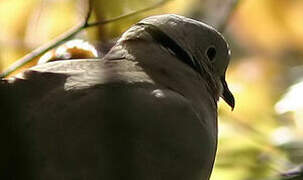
[263,136]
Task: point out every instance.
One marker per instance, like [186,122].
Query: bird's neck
[155,38]
[165,69]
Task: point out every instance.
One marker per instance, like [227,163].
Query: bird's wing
[104,120]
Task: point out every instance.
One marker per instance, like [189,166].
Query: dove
[147,110]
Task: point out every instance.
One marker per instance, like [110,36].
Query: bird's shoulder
[91,78]
[78,74]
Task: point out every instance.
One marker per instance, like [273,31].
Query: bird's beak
[227,95]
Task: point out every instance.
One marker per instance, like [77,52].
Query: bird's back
[91,119]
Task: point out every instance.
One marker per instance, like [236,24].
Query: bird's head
[197,44]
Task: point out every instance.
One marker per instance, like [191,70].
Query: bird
[147,110]
[73,49]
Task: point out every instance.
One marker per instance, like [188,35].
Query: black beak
[227,95]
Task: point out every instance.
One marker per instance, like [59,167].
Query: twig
[127,15]
[41,50]
[68,35]
[89,11]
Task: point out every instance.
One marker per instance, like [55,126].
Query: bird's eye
[211,53]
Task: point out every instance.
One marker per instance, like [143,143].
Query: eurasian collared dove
[146,111]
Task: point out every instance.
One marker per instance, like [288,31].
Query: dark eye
[211,53]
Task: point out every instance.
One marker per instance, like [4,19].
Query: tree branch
[127,15]
[68,35]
